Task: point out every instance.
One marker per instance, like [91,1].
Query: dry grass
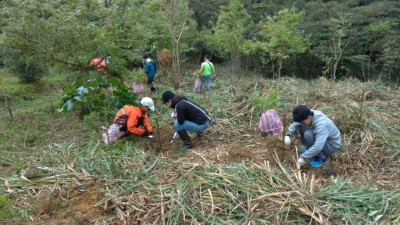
[234,175]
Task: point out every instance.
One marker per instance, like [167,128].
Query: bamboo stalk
[283,137]
[158,135]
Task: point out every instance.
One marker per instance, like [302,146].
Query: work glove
[148,134]
[288,140]
[301,161]
[303,148]
[173,114]
[174,137]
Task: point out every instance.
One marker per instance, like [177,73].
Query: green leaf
[114,81]
[84,112]
[70,105]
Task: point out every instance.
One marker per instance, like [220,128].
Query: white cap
[148,102]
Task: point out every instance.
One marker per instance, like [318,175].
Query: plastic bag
[113,134]
[270,123]
[138,88]
[197,84]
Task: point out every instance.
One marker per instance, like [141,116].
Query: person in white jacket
[318,134]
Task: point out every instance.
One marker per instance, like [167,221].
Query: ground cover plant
[56,169]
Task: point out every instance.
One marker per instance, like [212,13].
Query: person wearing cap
[134,119]
[318,134]
[189,117]
[150,70]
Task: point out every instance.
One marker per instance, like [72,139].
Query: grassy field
[56,170]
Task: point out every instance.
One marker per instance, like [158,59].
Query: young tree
[338,42]
[177,18]
[232,25]
[280,36]
[391,60]
[383,39]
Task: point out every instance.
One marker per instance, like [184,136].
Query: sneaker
[303,148]
[318,161]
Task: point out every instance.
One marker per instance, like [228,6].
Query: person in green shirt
[207,69]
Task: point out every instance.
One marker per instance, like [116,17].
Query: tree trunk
[280,67]
[232,63]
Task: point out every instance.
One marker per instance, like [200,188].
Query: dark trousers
[150,83]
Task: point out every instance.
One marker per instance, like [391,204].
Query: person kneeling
[189,117]
[318,135]
[135,119]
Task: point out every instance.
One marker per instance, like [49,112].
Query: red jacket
[134,113]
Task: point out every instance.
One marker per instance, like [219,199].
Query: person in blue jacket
[318,134]
[150,70]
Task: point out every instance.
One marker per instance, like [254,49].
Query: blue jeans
[307,138]
[204,80]
[190,126]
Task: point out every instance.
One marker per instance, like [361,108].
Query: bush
[264,103]
[29,69]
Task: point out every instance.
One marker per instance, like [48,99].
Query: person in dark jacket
[189,116]
[150,70]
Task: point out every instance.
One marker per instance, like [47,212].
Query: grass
[6,211]
[57,156]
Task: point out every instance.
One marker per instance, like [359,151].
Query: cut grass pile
[142,189]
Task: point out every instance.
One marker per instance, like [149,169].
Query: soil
[251,146]
[161,141]
[71,205]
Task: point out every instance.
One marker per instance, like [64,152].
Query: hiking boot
[318,161]
[187,143]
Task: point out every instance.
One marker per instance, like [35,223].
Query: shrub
[29,69]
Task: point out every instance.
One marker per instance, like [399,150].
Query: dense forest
[306,39]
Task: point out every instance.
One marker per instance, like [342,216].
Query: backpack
[270,123]
[114,132]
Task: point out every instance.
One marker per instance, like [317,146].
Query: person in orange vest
[100,63]
[134,119]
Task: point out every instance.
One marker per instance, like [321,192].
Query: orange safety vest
[134,113]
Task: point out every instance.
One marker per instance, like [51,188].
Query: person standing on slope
[207,70]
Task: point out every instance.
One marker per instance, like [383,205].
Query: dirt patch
[70,205]
[239,147]
[240,154]
[161,141]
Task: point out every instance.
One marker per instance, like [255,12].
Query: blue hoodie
[324,130]
[150,68]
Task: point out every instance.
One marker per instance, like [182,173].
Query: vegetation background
[341,57]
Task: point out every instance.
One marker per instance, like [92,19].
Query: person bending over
[318,134]
[189,117]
